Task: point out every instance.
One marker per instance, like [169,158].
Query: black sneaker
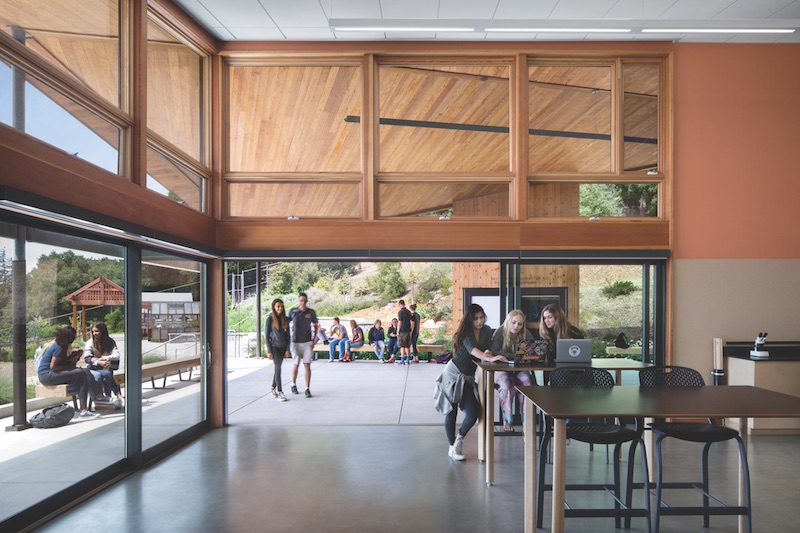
[308,393]
[294,389]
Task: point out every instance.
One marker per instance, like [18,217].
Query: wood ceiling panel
[292,119]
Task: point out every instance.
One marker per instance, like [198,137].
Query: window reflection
[171,335]
[81,39]
[641,83]
[444,118]
[174,91]
[56,266]
[304,199]
[444,198]
[570,118]
[592,199]
[50,116]
[167,176]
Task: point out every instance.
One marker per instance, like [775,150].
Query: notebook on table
[573,352]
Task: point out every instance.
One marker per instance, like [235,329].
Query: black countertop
[778,350]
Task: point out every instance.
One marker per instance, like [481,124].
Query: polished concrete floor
[323,465]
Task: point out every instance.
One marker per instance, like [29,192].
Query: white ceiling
[308,20]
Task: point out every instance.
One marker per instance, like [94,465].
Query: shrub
[147,359]
[619,288]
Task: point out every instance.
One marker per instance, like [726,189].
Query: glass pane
[641,84]
[174,91]
[58,270]
[593,200]
[39,111]
[173,339]
[462,199]
[295,119]
[79,38]
[444,118]
[570,118]
[174,180]
[340,200]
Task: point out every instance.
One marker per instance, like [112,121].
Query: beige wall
[733,299]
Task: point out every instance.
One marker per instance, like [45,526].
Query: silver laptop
[574,352]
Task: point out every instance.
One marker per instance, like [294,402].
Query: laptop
[573,352]
[529,352]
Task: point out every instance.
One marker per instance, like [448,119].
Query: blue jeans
[106,379]
[343,344]
[379,347]
[392,346]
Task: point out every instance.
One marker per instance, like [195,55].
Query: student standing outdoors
[404,333]
[455,387]
[415,320]
[276,331]
[304,326]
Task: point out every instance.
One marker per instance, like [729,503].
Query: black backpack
[53,417]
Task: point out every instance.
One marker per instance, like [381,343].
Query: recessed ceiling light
[402,28]
[717,30]
[559,30]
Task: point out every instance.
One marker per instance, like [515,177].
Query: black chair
[706,433]
[597,431]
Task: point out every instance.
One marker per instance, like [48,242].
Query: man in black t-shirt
[305,326]
[404,333]
[415,319]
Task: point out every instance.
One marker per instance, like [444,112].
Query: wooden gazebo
[101,291]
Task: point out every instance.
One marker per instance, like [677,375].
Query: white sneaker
[451,452]
[281,397]
[274,393]
[459,448]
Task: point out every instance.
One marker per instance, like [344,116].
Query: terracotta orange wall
[737,151]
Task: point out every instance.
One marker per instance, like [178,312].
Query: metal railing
[193,347]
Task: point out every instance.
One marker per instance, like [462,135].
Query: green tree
[115,321]
[388,282]
[599,200]
[638,200]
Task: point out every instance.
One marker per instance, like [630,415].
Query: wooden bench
[166,368]
[56,391]
[430,349]
[150,371]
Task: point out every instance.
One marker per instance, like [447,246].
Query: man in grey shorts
[304,325]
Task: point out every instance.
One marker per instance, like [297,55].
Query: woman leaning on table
[505,341]
[554,325]
[455,387]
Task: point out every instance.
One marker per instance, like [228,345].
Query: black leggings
[278,352]
[472,410]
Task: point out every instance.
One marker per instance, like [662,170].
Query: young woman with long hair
[456,388]
[276,331]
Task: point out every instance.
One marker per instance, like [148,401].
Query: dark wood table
[486,394]
[742,402]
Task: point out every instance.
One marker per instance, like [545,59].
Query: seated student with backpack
[57,367]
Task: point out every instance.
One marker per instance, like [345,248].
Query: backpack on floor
[53,417]
[443,358]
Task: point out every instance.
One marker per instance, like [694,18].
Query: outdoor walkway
[357,393]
